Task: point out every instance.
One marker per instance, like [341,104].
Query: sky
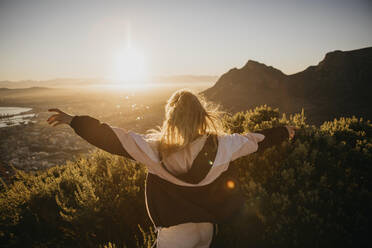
[49,39]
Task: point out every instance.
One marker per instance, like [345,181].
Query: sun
[129,66]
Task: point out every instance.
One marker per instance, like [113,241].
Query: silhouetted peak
[339,57]
[333,54]
[232,70]
[331,57]
[253,64]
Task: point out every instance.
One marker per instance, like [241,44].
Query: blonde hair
[187,117]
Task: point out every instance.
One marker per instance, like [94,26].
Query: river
[12,116]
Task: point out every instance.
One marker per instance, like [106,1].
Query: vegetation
[313,191]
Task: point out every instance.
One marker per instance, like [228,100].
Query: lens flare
[230,184]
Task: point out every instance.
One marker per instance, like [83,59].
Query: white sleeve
[138,147]
[244,144]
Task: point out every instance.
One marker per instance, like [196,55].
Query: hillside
[338,86]
[313,191]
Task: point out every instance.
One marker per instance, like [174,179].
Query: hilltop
[338,86]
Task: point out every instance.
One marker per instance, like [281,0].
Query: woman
[189,185]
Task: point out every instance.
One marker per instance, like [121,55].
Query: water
[12,116]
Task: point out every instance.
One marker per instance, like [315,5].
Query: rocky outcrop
[339,85]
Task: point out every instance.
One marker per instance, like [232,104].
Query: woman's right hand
[291,131]
[59,118]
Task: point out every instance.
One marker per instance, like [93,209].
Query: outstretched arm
[275,136]
[92,130]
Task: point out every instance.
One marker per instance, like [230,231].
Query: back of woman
[190,186]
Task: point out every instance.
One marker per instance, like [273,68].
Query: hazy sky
[52,39]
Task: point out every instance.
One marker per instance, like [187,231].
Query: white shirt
[230,147]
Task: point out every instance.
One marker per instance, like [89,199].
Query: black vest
[169,204]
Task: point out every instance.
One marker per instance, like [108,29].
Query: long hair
[187,117]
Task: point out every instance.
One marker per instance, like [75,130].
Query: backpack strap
[201,164]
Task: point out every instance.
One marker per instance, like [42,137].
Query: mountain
[88,82]
[340,85]
[52,83]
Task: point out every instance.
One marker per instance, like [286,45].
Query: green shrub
[313,191]
[84,203]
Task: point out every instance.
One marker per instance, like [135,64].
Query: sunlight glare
[130,67]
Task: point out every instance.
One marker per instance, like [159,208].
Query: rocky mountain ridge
[340,85]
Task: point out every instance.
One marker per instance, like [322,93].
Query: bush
[84,203]
[313,191]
